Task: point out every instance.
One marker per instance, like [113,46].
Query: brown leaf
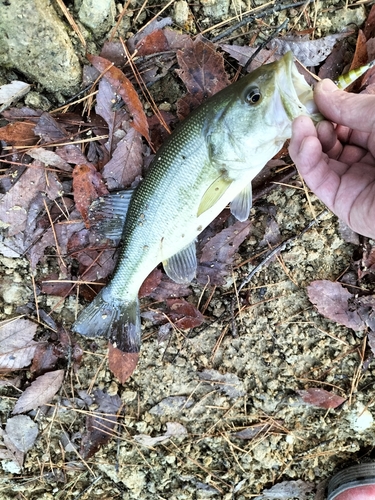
[45,359]
[49,158]
[121,364]
[100,424]
[87,186]
[152,43]
[126,162]
[321,398]
[258,429]
[17,347]
[19,134]
[202,70]
[225,244]
[243,53]
[125,89]
[360,54]
[331,300]
[183,314]
[25,200]
[150,283]
[49,130]
[40,392]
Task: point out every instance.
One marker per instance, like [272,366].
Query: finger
[302,127]
[356,111]
[328,138]
[306,151]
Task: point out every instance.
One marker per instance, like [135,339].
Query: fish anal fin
[213,194]
[241,205]
[107,214]
[182,266]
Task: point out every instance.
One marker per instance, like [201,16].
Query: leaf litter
[218,250]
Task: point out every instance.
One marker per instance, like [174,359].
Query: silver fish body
[207,163]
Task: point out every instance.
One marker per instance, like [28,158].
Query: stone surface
[98,15]
[34,41]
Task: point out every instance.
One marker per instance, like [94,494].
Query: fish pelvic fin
[109,317]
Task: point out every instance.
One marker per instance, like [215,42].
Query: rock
[215,9]
[181,12]
[98,15]
[34,41]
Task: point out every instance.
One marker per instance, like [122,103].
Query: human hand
[338,162]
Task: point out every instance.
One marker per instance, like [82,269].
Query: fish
[207,163]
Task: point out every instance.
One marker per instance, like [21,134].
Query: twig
[262,45]
[253,17]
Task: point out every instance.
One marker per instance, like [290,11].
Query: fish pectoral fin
[107,214]
[213,194]
[182,266]
[241,205]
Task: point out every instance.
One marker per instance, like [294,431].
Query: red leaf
[183,314]
[121,364]
[321,398]
[152,43]
[125,89]
[360,55]
[19,134]
[150,283]
[87,186]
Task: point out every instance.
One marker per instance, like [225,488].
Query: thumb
[356,111]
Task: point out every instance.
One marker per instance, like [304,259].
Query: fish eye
[253,96]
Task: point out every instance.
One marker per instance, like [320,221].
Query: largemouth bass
[206,163]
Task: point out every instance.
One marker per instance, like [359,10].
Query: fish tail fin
[109,317]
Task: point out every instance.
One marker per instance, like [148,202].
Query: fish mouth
[296,95]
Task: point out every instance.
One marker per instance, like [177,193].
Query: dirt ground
[213,383]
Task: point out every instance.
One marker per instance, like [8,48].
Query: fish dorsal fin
[181,267]
[241,205]
[107,214]
[213,194]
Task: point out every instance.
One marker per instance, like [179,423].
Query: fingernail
[326,85]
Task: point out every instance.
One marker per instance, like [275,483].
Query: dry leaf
[121,364]
[321,398]
[331,300]
[87,186]
[17,347]
[126,162]
[25,199]
[100,424]
[243,53]
[183,314]
[22,431]
[202,71]
[40,392]
[308,52]
[152,43]
[12,92]
[125,89]
[19,134]
[49,158]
